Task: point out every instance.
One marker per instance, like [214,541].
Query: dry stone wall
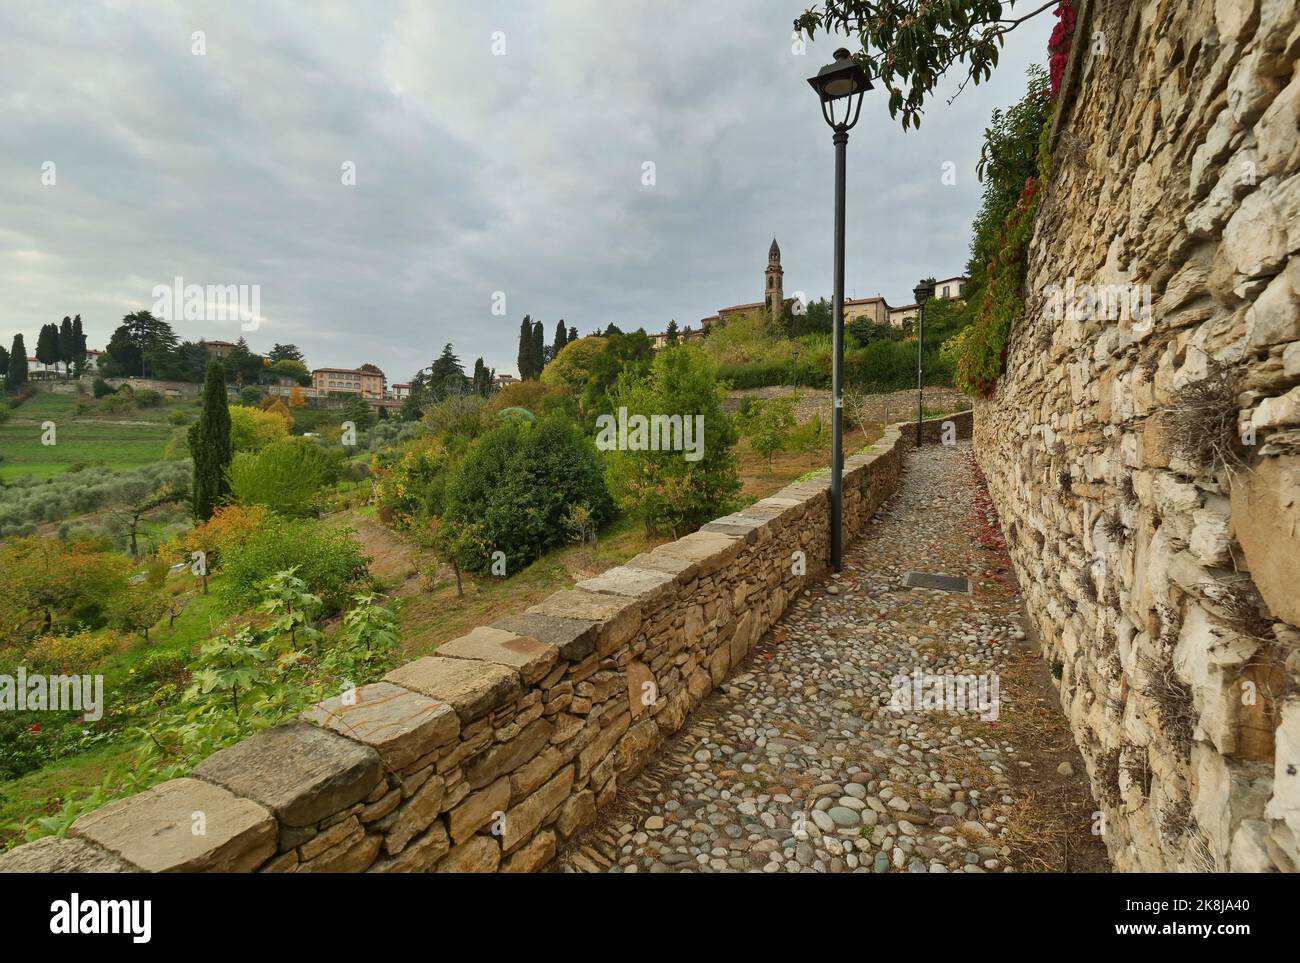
[487,756]
[1147,472]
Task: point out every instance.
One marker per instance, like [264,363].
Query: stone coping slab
[575,639]
[651,587]
[619,616]
[401,725]
[473,688]
[60,854]
[706,551]
[298,771]
[531,657]
[156,830]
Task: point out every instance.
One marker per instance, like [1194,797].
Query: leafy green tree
[908,46]
[210,448]
[291,368]
[664,487]
[17,370]
[132,512]
[4,365]
[573,334]
[818,318]
[768,426]
[624,356]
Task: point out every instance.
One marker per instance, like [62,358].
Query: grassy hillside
[111,441]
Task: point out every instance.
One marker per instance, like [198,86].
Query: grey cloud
[476,173]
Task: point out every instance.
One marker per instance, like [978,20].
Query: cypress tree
[65,344]
[209,440]
[561,339]
[78,346]
[17,364]
[539,349]
[525,358]
[4,365]
[47,345]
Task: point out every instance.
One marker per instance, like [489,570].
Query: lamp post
[841,80]
[922,293]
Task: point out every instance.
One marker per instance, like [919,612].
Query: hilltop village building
[875,309]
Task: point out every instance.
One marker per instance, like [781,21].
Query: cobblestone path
[798,764]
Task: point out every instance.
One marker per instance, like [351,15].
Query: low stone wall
[1147,471]
[488,755]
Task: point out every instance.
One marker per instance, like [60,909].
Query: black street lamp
[847,81]
[922,292]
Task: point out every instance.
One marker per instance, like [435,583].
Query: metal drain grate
[945,583]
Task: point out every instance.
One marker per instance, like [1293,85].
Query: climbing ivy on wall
[999,252]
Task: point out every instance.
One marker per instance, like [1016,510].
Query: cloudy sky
[497,147]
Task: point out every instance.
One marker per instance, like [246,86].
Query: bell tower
[773,290]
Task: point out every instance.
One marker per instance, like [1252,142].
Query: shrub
[78,653]
[412,485]
[327,559]
[5,412]
[517,484]
[457,418]
[250,395]
[663,486]
[116,404]
[101,388]
[252,429]
[539,397]
[148,398]
[229,527]
[285,476]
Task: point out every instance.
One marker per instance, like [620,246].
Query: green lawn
[128,440]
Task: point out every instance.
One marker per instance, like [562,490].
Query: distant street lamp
[841,80]
[922,292]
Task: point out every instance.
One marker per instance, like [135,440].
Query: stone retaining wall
[488,755]
[1148,474]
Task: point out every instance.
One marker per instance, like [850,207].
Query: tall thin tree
[539,349]
[561,339]
[65,345]
[17,376]
[209,440]
[525,359]
[79,352]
